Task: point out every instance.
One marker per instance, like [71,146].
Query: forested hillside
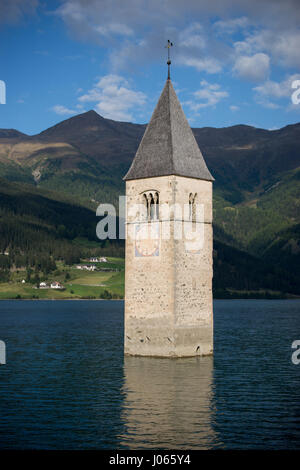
[52,182]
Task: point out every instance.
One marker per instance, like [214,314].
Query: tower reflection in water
[168,403]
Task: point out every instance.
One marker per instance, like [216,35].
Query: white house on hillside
[56,285]
[91,267]
[98,260]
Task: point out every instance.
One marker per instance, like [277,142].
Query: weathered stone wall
[168,296]
[193,275]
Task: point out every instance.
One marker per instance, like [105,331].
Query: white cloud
[95,20]
[271,91]
[193,49]
[234,108]
[208,95]
[277,89]
[231,26]
[80,108]
[62,110]
[207,65]
[281,45]
[114,28]
[285,48]
[144,32]
[135,32]
[113,98]
[192,37]
[253,68]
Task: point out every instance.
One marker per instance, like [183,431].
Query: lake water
[66,384]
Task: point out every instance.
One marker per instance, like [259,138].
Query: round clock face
[146,241]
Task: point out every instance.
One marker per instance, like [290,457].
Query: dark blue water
[66,384]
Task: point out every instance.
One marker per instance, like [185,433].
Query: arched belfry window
[151,201]
[192,206]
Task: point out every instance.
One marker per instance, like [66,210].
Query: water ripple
[66,384]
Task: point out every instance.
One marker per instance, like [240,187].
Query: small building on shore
[87,267]
[56,285]
[43,285]
[102,259]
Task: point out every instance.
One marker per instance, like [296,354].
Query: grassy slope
[81,284]
[236,274]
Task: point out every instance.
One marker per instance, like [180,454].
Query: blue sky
[233,61]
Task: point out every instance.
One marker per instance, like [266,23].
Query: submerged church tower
[169,266]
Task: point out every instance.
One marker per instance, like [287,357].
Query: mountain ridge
[86,156]
[91,134]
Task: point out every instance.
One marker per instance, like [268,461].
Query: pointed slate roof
[168,146]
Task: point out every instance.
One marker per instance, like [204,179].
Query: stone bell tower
[168,269]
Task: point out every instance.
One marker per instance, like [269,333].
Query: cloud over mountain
[113,97]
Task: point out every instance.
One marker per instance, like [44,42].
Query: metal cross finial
[168,46]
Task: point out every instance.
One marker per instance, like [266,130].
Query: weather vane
[168,46]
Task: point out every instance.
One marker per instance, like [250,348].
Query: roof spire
[168,46]
[168,146]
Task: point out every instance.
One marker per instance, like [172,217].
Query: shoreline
[60,300]
[122,300]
